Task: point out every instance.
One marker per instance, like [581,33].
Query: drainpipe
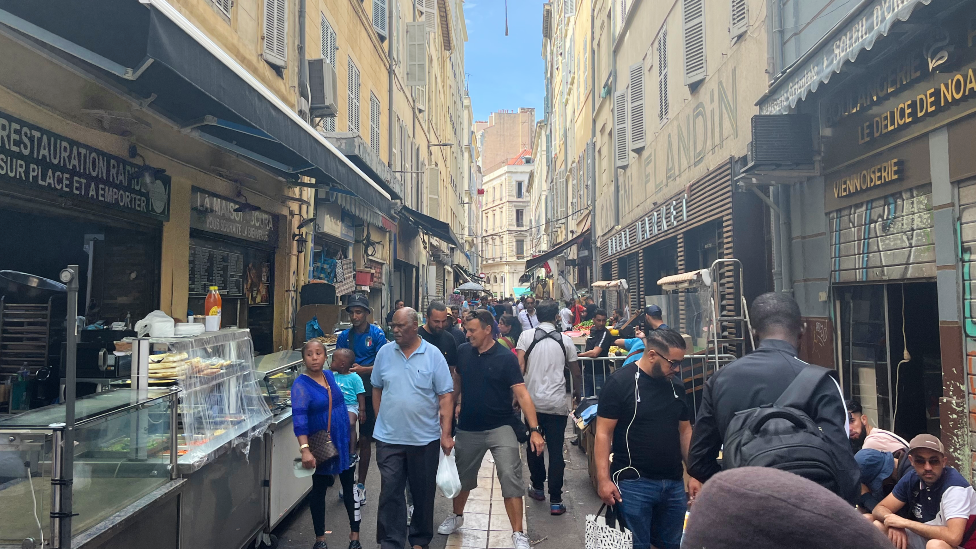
[786,238]
[776,246]
[594,247]
[389,137]
[303,90]
[775,44]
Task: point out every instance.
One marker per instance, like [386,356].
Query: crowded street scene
[487,274]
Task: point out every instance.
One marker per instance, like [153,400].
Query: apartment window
[520,248]
[374,123]
[519,217]
[354,88]
[693,23]
[223,6]
[328,42]
[275,32]
[520,190]
[662,76]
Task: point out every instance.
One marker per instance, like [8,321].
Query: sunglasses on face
[675,364]
[931,461]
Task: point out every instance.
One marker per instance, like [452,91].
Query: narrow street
[544,530]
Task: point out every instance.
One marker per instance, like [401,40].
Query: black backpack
[554,335]
[782,436]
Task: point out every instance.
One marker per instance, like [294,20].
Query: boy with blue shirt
[353,391]
[365,340]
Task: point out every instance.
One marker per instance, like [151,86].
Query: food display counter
[124,472]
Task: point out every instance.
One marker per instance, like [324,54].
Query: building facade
[505,218]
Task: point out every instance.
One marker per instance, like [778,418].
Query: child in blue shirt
[353,391]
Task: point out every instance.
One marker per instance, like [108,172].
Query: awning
[149,50]
[610,285]
[431,226]
[855,33]
[537,261]
[685,280]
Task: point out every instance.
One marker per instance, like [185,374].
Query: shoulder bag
[320,442]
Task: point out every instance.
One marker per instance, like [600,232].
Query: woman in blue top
[311,413]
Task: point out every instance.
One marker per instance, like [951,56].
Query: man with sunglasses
[942,504]
[644,419]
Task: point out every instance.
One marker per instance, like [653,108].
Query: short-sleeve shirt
[544,376]
[444,341]
[486,387]
[529,322]
[601,339]
[633,345]
[352,386]
[655,442]
[950,497]
[409,411]
[366,344]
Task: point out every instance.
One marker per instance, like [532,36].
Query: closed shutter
[570,8]
[636,104]
[621,154]
[354,87]
[662,77]
[329,44]
[439,285]
[224,6]
[374,123]
[590,169]
[739,21]
[380,17]
[547,21]
[416,54]
[433,192]
[275,28]
[430,14]
[633,280]
[693,26]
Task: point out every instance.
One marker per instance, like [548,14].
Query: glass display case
[123,451]
[221,403]
[276,373]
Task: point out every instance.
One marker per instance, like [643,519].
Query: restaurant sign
[217,214]
[669,216]
[856,35]
[40,159]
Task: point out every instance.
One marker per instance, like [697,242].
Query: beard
[657,371]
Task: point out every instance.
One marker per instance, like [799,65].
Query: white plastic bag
[156,324]
[601,535]
[447,476]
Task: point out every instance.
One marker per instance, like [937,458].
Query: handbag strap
[613,515]
[329,389]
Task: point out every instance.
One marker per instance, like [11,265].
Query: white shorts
[354,408]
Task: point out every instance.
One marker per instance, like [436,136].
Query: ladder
[734,328]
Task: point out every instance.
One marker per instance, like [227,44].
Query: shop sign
[666,218]
[929,82]
[217,214]
[40,159]
[347,228]
[884,173]
[857,35]
[859,181]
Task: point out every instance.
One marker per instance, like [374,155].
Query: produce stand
[125,488]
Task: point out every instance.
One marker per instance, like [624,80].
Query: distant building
[504,136]
[505,222]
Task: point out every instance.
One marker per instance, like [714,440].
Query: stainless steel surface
[285,491]
[89,409]
[57,457]
[70,276]
[174,447]
[27,288]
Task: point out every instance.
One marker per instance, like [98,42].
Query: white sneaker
[450,524]
[521,541]
[359,492]
[409,514]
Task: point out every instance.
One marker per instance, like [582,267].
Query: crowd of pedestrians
[492,376]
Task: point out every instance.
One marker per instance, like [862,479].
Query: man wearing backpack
[544,354]
[760,384]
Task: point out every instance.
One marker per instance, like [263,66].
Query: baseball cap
[928,442]
[358,300]
[653,310]
[875,466]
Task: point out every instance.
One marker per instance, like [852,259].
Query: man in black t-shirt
[644,419]
[597,345]
[435,332]
[490,377]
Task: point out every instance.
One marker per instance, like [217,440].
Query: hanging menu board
[216,264]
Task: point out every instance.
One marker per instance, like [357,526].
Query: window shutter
[374,123]
[433,192]
[740,18]
[416,54]
[354,86]
[662,77]
[328,42]
[224,6]
[275,44]
[547,20]
[380,17]
[329,124]
[621,154]
[430,15]
[636,104]
[570,8]
[693,26]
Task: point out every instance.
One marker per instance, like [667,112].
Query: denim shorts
[654,511]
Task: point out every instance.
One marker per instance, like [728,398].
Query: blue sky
[504,72]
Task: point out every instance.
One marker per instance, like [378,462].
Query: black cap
[358,300]
[653,310]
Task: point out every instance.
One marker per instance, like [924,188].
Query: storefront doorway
[879,324]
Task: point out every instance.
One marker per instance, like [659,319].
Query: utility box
[324,88]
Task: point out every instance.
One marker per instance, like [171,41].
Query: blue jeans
[594,375]
[654,511]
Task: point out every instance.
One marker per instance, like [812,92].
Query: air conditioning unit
[782,140]
[324,87]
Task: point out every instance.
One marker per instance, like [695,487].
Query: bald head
[405,323]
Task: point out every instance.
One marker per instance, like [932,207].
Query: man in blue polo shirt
[365,340]
[413,393]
